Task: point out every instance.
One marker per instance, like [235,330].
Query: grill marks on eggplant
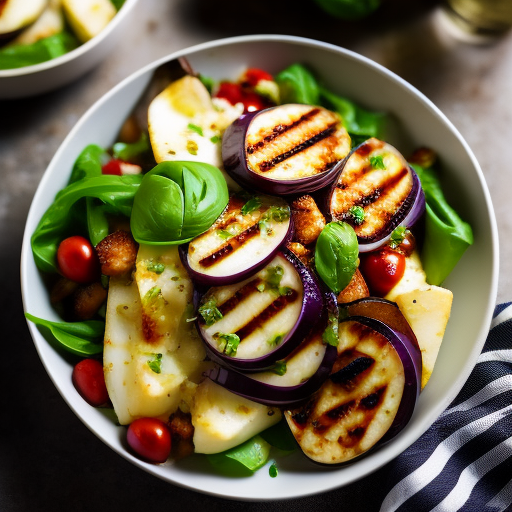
[295,141]
[356,406]
[383,193]
[255,311]
[236,239]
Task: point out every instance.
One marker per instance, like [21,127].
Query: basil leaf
[336,255]
[177,201]
[88,163]
[298,85]
[79,338]
[21,55]
[251,455]
[280,436]
[447,236]
[59,220]
[135,152]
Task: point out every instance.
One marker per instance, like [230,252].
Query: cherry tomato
[150,439]
[230,92]
[89,381]
[253,101]
[254,75]
[382,270]
[113,167]
[78,260]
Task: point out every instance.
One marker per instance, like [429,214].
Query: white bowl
[49,75]
[418,123]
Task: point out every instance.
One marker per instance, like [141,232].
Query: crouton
[308,220]
[117,253]
[86,300]
[301,252]
[356,289]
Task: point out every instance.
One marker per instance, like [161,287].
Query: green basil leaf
[251,455]
[135,152]
[21,55]
[59,220]
[88,163]
[336,255]
[298,85]
[79,338]
[280,436]
[447,236]
[177,201]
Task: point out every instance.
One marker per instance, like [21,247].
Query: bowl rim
[385,454]
[77,52]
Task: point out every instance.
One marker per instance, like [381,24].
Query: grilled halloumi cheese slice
[153,357]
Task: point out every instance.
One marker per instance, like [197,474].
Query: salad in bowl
[250,272]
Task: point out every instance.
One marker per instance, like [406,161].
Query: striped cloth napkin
[464,461]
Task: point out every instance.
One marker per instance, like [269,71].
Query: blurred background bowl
[54,73]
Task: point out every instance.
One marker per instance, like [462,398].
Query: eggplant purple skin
[310,315]
[409,213]
[205,280]
[235,164]
[274,396]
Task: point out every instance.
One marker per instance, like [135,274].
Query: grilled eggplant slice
[289,149]
[376,191]
[241,242]
[368,398]
[252,324]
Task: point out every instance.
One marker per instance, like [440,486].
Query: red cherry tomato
[78,260]
[113,167]
[230,92]
[150,439]
[89,381]
[254,75]
[253,101]
[382,270]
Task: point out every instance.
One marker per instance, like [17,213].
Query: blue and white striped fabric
[464,461]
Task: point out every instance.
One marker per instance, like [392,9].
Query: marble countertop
[49,461]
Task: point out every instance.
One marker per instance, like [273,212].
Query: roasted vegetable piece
[245,237]
[368,399]
[289,149]
[308,220]
[376,192]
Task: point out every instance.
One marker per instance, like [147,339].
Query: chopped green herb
[210,312]
[274,213]
[228,343]
[279,367]
[330,335]
[224,234]
[154,266]
[207,81]
[151,294]
[357,214]
[377,162]
[193,319]
[253,204]
[398,236]
[155,363]
[215,139]
[275,340]
[192,147]
[195,128]
[272,470]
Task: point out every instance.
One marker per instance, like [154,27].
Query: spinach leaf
[298,85]
[18,56]
[447,236]
[336,255]
[177,201]
[59,221]
[79,338]
[357,120]
[251,455]
[135,152]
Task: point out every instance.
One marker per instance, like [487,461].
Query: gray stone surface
[48,460]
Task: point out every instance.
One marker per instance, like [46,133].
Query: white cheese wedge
[223,420]
[186,124]
[88,17]
[427,309]
[153,357]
